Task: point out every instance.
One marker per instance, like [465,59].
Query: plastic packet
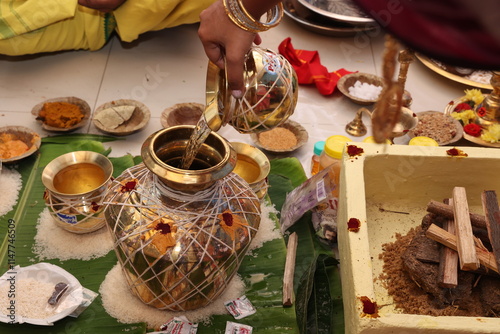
[240,307]
[178,325]
[236,328]
[307,196]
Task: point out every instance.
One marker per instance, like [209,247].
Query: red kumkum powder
[163,228]
[369,307]
[129,186]
[353,150]
[353,224]
[228,218]
[455,152]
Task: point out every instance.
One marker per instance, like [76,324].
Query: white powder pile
[365,91]
[10,185]
[121,304]
[31,298]
[483,77]
[267,228]
[52,242]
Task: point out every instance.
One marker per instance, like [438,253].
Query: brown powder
[406,294]
[278,139]
[60,114]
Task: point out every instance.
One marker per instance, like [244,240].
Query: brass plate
[430,64]
[476,140]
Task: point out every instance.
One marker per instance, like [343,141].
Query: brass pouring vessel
[271,92]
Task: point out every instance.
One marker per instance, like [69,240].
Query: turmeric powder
[60,114]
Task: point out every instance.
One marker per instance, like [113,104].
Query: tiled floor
[168,67]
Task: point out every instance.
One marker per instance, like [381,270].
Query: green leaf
[62,139]
[122,163]
[290,168]
[262,271]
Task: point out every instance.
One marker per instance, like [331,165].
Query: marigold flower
[466,116]
[491,134]
[473,129]
[474,95]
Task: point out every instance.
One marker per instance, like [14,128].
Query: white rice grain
[10,185]
[120,303]
[53,242]
[31,298]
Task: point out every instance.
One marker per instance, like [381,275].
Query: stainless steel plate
[319,24]
[341,10]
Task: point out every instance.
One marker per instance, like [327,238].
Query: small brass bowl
[76,206]
[349,80]
[84,107]
[26,135]
[253,166]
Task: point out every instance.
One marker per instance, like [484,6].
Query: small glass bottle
[318,149]
[331,156]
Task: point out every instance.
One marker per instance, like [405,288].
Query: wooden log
[448,263]
[467,255]
[492,214]
[446,211]
[291,253]
[436,233]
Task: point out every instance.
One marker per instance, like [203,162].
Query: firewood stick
[291,252]
[436,233]
[447,212]
[465,239]
[448,258]
[492,214]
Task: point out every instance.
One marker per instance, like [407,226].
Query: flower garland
[467,112]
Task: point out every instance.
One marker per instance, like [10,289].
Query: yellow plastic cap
[371,140]
[423,141]
[334,145]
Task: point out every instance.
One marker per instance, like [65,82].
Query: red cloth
[309,69]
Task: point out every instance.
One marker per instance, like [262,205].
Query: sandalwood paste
[60,114]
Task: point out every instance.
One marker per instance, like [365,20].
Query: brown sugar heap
[60,114]
[278,139]
[411,280]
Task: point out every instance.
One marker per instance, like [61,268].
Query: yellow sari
[34,26]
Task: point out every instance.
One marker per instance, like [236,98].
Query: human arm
[222,39]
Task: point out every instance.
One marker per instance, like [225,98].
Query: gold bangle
[241,18]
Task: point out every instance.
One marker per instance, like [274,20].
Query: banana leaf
[268,261]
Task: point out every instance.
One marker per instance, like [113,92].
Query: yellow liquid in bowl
[79,178]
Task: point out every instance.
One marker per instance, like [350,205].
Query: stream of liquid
[200,133]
